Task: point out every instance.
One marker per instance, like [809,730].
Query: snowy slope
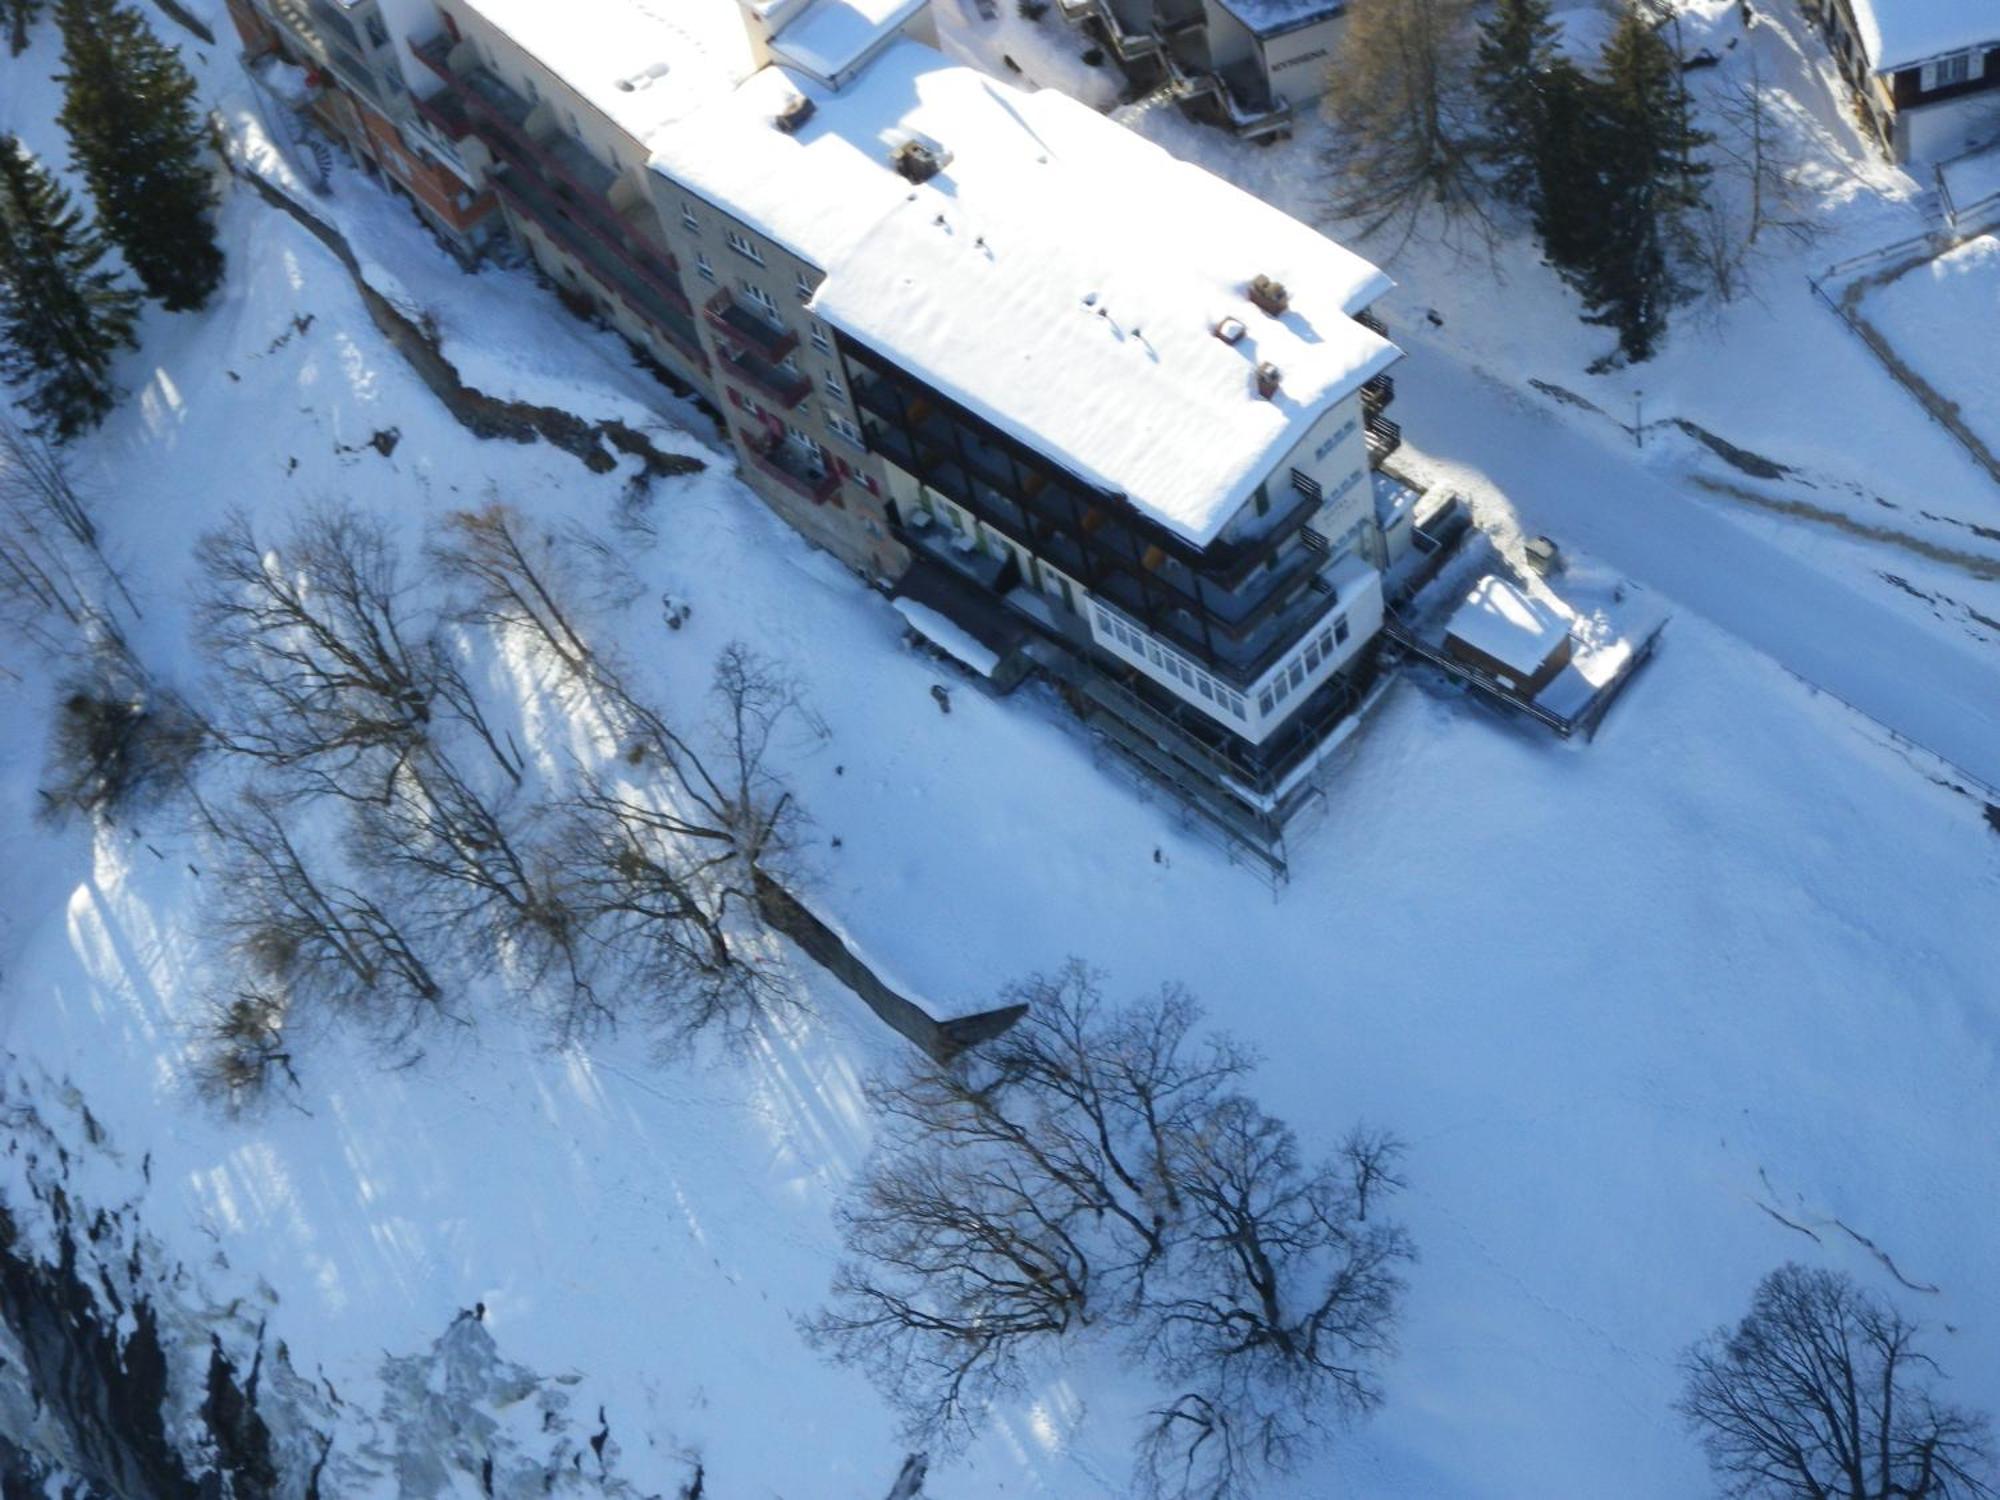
[1621,998]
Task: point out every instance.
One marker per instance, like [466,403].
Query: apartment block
[1114,416]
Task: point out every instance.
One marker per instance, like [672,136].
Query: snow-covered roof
[642,63]
[1062,278]
[1275,17]
[1514,629]
[833,35]
[819,189]
[1898,34]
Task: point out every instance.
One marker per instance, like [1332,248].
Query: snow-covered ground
[1926,312]
[1627,1001]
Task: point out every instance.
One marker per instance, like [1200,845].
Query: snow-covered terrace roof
[833,35]
[1275,17]
[1899,34]
[1500,621]
[1060,277]
[643,63]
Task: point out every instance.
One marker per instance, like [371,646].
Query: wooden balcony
[1377,394]
[1384,438]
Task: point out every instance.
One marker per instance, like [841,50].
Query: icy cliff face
[121,1376]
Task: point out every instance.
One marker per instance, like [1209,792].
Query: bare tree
[1821,1393]
[1096,1169]
[52,567]
[1761,190]
[1407,118]
[298,927]
[518,579]
[474,881]
[331,667]
[1283,1304]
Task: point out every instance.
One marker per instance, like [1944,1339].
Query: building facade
[957,332]
[1924,78]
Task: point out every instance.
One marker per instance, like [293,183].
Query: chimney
[1269,296]
[793,114]
[919,160]
[1269,378]
[1229,330]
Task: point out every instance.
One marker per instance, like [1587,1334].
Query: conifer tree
[1517,54]
[19,15]
[1568,193]
[1650,181]
[129,109]
[62,320]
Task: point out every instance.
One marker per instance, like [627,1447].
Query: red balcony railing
[745,329]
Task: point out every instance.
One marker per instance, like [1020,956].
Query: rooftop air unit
[1269,378]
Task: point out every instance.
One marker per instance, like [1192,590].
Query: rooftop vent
[644,78]
[1269,378]
[919,160]
[793,114]
[1269,296]
[1229,330]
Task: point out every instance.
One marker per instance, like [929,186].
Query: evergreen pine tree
[1568,195]
[1650,182]
[1517,54]
[19,15]
[61,319]
[128,106]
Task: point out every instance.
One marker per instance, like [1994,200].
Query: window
[378,34]
[1947,71]
[1340,629]
[1207,689]
[701,266]
[1265,702]
[1264,499]
[846,429]
[1297,675]
[835,389]
[1236,705]
[1313,657]
[803,287]
[820,340]
[687,215]
[742,246]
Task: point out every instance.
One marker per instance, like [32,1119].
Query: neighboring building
[1925,73]
[1511,636]
[1249,65]
[1099,406]
[353,55]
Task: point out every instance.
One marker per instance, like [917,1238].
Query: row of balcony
[477,101]
[660,307]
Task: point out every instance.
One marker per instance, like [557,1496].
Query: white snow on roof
[643,63]
[949,636]
[1270,17]
[1500,621]
[1062,279]
[1900,34]
[819,190]
[835,34]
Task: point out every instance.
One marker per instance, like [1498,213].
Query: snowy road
[1603,499]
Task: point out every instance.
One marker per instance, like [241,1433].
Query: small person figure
[1433,317]
[943,695]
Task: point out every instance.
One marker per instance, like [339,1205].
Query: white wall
[1931,132]
[1297,61]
